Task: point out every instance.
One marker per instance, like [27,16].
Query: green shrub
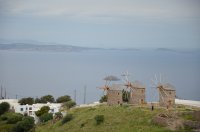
[25,125]
[46,117]
[103,99]
[4,107]
[14,118]
[70,104]
[99,119]
[67,118]
[4,117]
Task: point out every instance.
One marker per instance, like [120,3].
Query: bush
[3,117]
[70,104]
[25,125]
[14,118]
[103,99]
[43,110]
[4,107]
[46,117]
[99,119]
[63,99]
[67,118]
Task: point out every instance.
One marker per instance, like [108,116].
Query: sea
[79,74]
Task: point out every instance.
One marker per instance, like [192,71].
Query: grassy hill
[116,119]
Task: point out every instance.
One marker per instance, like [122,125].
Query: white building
[31,109]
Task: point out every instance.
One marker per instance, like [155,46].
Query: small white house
[13,103]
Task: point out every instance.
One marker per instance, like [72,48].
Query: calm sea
[57,73]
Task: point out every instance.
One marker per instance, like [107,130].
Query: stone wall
[197,115]
[114,97]
[137,96]
[168,100]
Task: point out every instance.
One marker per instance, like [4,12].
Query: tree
[37,100]
[125,95]
[103,99]
[69,104]
[63,99]
[43,110]
[25,101]
[47,98]
[4,107]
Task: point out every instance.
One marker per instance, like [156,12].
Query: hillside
[116,118]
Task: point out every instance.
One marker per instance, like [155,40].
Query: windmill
[137,90]
[113,92]
[166,92]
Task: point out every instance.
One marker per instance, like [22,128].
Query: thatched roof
[111,78]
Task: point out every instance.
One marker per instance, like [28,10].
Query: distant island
[36,47]
[55,47]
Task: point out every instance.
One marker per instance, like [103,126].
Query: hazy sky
[103,23]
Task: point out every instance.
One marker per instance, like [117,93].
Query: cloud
[101,8]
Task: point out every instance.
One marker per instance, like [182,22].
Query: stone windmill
[113,92]
[167,92]
[137,91]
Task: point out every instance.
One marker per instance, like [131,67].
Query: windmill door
[169,103]
[142,101]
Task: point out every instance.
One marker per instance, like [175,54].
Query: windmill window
[118,93]
[170,93]
[142,91]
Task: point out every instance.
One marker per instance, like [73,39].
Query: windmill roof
[138,84]
[168,86]
[116,87]
[111,78]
